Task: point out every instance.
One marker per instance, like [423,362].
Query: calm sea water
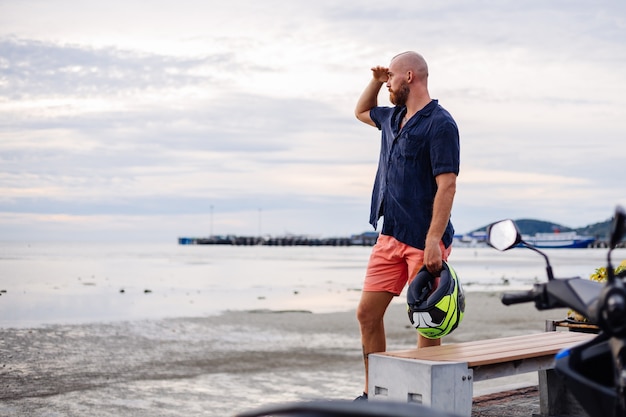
[46,283]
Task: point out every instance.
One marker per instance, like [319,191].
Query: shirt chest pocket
[412,146]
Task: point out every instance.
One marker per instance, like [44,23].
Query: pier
[605,244]
[364,239]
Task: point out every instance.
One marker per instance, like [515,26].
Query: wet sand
[217,365]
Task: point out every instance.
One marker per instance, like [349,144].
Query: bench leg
[554,397]
[444,386]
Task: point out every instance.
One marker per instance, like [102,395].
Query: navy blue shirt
[410,159]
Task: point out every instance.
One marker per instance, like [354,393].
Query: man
[413,191]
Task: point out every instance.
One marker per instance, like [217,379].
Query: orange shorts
[392,264]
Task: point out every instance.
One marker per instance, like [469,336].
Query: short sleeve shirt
[410,159]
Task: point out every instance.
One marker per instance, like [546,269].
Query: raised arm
[369,97]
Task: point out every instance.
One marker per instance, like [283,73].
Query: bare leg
[370,313]
[426,342]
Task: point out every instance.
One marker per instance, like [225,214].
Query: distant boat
[471,240]
[566,240]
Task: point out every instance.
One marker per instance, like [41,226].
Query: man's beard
[399,97]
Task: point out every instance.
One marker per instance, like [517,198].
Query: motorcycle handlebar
[518,297]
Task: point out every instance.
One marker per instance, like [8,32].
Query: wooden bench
[442,376]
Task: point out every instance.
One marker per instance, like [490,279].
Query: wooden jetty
[364,239]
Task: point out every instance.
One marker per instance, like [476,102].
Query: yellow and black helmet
[436,304]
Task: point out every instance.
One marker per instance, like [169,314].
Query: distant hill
[599,230]
[531,226]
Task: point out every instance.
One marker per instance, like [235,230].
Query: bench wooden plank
[538,339]
[504,352]
[502,344]
[499,350]
[461,352]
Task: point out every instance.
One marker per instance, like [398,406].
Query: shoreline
[30,310]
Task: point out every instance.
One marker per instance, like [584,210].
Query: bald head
[411,61]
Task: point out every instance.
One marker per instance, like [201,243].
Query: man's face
[397,86]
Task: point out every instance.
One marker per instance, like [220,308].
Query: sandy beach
[216,365]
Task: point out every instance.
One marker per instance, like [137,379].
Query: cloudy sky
[140,120]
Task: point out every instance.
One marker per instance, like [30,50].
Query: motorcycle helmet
[436,304]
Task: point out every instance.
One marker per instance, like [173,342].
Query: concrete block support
[444,386]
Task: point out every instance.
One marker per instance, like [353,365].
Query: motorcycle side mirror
[503,235]
[617,229]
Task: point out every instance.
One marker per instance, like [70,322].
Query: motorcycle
[595,371]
